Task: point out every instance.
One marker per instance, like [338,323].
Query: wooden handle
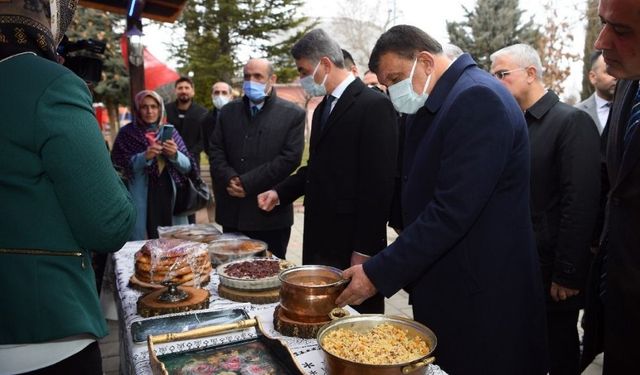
[202,332]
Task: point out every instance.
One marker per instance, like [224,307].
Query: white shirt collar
[339,90]
[600,102]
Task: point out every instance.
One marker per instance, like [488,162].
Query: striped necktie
[634,120]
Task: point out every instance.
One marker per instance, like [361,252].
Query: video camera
[83,57]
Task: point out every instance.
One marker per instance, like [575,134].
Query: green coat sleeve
[94,200]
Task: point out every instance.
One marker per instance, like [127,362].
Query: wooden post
[135,52]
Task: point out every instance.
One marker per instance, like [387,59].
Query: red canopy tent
[156,73]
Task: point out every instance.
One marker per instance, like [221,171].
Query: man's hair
[229,88]
[405,41]
[348,59]
[523,55]
[593,58]
[183,79]
[317,44]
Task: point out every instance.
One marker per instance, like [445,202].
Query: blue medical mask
[311,87]
[255,91]
[404,99]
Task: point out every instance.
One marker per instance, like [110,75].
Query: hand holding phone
[166,132]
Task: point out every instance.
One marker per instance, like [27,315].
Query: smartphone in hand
[166,132]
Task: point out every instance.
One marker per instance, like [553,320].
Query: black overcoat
[620,244]
[348,181]
[565,193]
[262,150]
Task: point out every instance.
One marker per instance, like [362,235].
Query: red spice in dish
[253,269]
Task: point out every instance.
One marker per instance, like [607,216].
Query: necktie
[326,111]
[254,110]
[634,120]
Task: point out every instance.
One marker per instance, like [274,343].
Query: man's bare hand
[235,188]
[561,293]
[359,289]
[268,200]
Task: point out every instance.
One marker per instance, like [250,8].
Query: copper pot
[308,293]
[366,322]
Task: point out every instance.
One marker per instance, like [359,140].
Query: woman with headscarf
[61,199]
[152,169]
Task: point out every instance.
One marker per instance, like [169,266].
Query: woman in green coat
[61,199]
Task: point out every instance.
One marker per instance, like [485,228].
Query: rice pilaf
[385,344]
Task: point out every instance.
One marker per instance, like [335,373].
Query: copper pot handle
[338,313]
[414,366]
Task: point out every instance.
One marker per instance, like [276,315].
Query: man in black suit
[221,95]
[348,181]
[617,286]
[256,144]
[565,194]
[187,116]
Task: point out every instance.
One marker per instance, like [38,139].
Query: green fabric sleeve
[95,202]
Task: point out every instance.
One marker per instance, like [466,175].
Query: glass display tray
[185,322]
[259,355]
[255,356]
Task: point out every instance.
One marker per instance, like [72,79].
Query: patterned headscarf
[131,140]
[34,26]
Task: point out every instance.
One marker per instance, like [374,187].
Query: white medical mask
[311,87]
[404,99]
[219,101]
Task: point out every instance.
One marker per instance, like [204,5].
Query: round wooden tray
[135,283]
[148,304]
[253,296]
[289,327]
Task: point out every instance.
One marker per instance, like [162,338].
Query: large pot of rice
[377,344]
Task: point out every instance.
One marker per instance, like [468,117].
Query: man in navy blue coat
[466,253]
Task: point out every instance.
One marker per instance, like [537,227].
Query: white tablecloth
[134,358]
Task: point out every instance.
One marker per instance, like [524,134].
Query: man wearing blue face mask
[348,181]
[257,143]
[466,253]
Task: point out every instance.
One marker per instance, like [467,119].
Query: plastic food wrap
[172,260]
[191,232]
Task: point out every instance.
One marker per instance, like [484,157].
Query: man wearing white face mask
[466,254]
[348,181]
[220,95]
[256,143]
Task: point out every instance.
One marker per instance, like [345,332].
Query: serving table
[134,357]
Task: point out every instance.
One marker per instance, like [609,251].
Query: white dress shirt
[602,107]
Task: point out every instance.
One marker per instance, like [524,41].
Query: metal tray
[181,323]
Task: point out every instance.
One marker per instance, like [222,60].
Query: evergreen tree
[113,89]
[593,29]
[216,30]
[493,24]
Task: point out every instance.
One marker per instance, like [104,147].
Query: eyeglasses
[500,74]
